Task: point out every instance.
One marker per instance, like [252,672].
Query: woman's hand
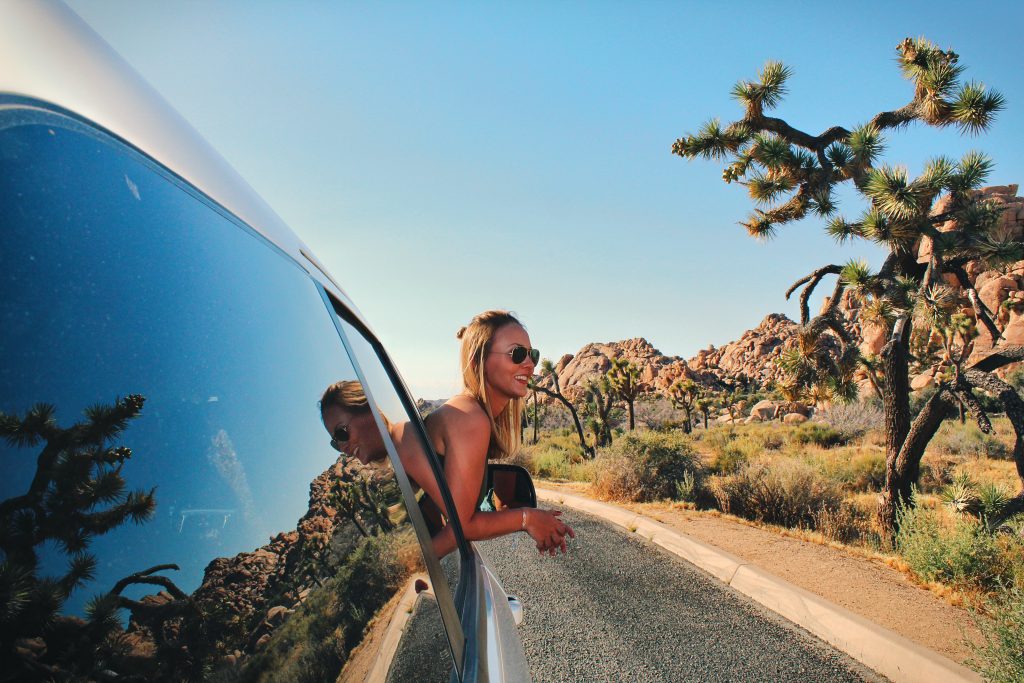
[547,531]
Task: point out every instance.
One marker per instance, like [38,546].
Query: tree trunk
[535,416]
[896,410]
[629,405]
[902,472]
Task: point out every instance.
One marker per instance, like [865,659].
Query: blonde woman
[479,423]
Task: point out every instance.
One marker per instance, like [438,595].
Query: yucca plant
[792,174]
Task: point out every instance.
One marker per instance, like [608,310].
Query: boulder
[763,411]
[794,419]
[925,379]
[994,292]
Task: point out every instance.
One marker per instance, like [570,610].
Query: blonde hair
[476,343]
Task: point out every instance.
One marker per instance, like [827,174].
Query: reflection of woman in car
[480,422]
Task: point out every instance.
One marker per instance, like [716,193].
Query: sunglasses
[340,437]
[520,353]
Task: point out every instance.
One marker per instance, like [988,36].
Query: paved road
[619,608]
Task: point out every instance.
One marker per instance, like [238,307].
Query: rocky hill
[753,354]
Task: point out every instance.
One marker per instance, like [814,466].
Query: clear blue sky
[442,159]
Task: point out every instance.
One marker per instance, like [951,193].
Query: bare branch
[997,359]
[811,281]
[145,577]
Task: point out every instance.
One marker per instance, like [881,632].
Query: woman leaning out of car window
[479,423]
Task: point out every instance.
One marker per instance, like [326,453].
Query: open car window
[418,472]
[170,505]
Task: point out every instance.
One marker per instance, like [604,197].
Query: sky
[442,159]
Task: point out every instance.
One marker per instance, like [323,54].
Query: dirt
[864,585]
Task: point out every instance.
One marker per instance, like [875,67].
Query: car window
[170,505]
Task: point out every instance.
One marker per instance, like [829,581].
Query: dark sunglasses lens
[520,353]
[341,434]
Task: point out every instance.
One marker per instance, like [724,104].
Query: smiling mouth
[522,378]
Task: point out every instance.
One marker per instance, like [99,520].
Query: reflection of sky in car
[131,285]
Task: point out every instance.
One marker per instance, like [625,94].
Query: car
[170,506]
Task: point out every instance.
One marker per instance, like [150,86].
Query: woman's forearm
[481,526]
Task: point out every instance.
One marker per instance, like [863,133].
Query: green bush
[644,466]
[732,450]
[960,554]
[858,470]
[819,434]
[787,492]
[967,440]
[1000,658]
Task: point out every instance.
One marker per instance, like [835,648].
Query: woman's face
[504,378]
[364,442]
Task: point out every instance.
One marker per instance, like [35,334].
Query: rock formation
[752,356]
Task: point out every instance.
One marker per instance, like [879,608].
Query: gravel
[619,608]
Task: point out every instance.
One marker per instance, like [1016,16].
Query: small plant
[1000,658]
[960,495]
[969,441]
[687,488]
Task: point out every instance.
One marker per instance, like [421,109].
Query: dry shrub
[847,523]
[732,449]
[853,420]
[937,472]
[786,492]
[644,466]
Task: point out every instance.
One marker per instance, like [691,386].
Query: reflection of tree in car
[77,493]
[481,422]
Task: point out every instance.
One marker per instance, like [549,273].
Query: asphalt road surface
[619,608]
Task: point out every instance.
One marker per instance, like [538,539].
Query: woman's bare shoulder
[460,413]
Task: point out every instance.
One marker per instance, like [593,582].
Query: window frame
[459,615]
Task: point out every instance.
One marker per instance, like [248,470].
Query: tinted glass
[170,506]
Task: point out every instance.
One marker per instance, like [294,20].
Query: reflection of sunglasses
[340,437]
[520,353]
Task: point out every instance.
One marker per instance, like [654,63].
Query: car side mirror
[512,486]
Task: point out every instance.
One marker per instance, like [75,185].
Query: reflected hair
[476,340]
[346,394]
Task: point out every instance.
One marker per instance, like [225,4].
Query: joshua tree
[684,395]
[547,369]
[600,397]
[704,404]
[793,174]
[624,380]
